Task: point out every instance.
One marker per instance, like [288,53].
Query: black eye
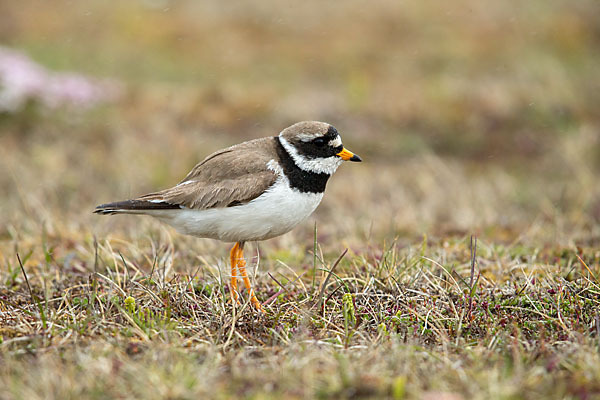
[319,141]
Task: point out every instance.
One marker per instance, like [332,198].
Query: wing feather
[227,178]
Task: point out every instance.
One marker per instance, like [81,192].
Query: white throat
[327,165]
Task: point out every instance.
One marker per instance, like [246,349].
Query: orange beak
[347,155]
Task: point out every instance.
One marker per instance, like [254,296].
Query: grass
[460,260]
[393,322]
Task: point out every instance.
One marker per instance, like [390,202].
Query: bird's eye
[319,141]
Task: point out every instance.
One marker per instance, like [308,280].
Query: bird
[252,191]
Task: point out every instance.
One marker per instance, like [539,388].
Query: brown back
[228,177]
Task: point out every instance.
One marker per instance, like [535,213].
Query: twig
[332,293]
[335,264]
[283,289]
[586,267]
[473,261]
[33,298]
[473,257]
[276,281]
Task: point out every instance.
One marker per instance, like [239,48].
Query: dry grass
[473,119]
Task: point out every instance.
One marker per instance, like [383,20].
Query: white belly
[274,213]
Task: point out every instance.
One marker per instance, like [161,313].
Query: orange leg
[233,256]
[241,264]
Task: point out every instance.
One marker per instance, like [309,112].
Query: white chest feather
[273,213]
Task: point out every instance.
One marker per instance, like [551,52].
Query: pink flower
[22,80]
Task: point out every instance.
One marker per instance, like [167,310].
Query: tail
[133,207]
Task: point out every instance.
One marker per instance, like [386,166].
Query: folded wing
[227,178]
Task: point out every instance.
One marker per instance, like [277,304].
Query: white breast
[273,213]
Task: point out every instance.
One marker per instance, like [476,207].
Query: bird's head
[315,146]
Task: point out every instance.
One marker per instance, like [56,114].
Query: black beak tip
[355,158]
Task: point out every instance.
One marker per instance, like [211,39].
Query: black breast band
[304,181]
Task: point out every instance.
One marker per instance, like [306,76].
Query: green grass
[473,120]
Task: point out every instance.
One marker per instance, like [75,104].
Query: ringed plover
[252,191]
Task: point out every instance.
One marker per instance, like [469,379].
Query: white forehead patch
[337,142]
[307,137]
[321,165]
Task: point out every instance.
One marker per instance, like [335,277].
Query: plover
[252,191]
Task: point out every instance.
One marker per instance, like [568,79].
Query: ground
[460,260]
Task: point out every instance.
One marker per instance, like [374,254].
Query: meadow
[460,260]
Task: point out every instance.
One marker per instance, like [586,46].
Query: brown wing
[229,177]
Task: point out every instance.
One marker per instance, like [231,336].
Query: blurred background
[473,117]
